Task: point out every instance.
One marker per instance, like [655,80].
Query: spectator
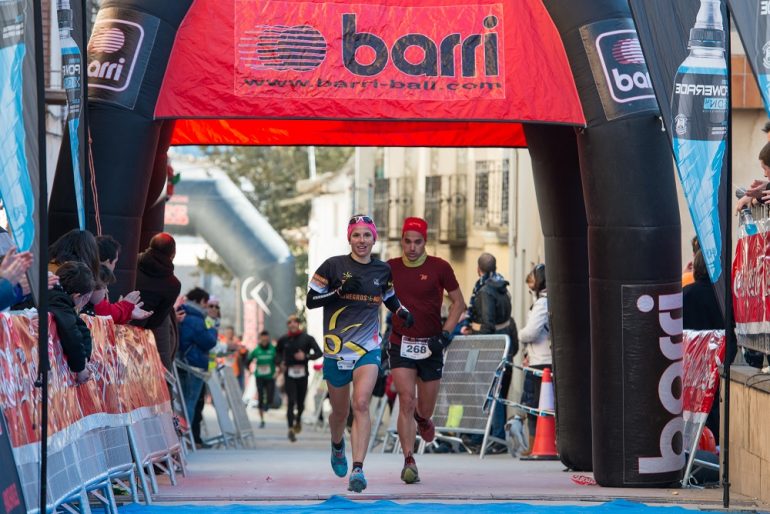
[65,300]
[12,269]
[196,339]
[122,311]
[759,190]
[536,337]
[235,354]
[159,290]
[489,312]
[109,251]
[75,245]
[687,274]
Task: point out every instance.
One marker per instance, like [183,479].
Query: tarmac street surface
[281,471]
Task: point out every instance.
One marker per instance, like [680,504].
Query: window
[490,204]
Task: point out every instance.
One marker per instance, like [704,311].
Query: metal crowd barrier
[471,364]
[243,427]
[472,368]
[179,407]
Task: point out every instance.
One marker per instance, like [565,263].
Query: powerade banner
[389,60]
[684,44]
[19,168]
[68,13]
[752,19]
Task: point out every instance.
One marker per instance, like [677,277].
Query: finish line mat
[339,504]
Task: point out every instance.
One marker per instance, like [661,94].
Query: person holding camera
[351,288]
[416,354]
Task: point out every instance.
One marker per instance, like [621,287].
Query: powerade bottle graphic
[747,222]
[71,63]
[15,185]
[699,108]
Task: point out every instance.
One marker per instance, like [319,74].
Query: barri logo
[437,59]
[624,66]
[281,47]
[112,53]
[669,318]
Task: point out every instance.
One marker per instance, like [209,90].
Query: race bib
[414,348]
[296,372]
[264,369]
[346,365]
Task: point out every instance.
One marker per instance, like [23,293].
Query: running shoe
[297,427]
[357,481]
[339,462]
[425,428]
[409,474]
[261,424]
[292,436]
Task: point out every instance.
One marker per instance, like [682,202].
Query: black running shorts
[427,369]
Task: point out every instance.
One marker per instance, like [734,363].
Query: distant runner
[264,373]
[351,289]
[294,350]
[417,354]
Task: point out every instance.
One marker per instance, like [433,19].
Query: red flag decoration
[454,64]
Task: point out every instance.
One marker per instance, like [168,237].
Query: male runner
[417,354]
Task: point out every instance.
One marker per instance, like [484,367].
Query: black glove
[438,344]
[350,285]
[406,316]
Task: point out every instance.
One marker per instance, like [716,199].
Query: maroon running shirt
[421,290]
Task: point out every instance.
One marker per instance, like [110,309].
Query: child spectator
[65,300]
[122,311]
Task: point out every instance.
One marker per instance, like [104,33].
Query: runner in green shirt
[264,372]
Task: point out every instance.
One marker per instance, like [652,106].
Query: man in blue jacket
[197,336]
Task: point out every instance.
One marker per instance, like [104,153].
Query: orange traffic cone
[545,432]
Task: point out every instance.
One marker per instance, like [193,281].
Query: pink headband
[361,223]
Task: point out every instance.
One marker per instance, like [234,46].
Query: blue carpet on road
[343,505]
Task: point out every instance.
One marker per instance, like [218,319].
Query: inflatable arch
[278,72]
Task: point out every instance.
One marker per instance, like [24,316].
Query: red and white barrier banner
[750,286]
[127,382]
[704,351]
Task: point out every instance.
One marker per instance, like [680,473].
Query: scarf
[416,264]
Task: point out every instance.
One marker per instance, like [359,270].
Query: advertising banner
[389,60]
[651,453]
[684,45]
[11,498]
[751,297]
[18,120]
[752,20]
[68,13]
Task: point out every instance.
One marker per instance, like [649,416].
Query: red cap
[418,225]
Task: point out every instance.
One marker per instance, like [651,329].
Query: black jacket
[73,333]
[288,345]
[492,306]
[159,287]
[701,309]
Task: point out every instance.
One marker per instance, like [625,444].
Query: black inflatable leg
[556,168]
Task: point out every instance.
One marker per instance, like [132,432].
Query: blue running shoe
[339,462]
[357,482]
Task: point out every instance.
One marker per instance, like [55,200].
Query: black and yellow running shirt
[352,323]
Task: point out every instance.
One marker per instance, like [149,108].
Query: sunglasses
[214,307]
[360,219]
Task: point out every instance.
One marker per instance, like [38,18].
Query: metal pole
[42,257]
[730,342]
